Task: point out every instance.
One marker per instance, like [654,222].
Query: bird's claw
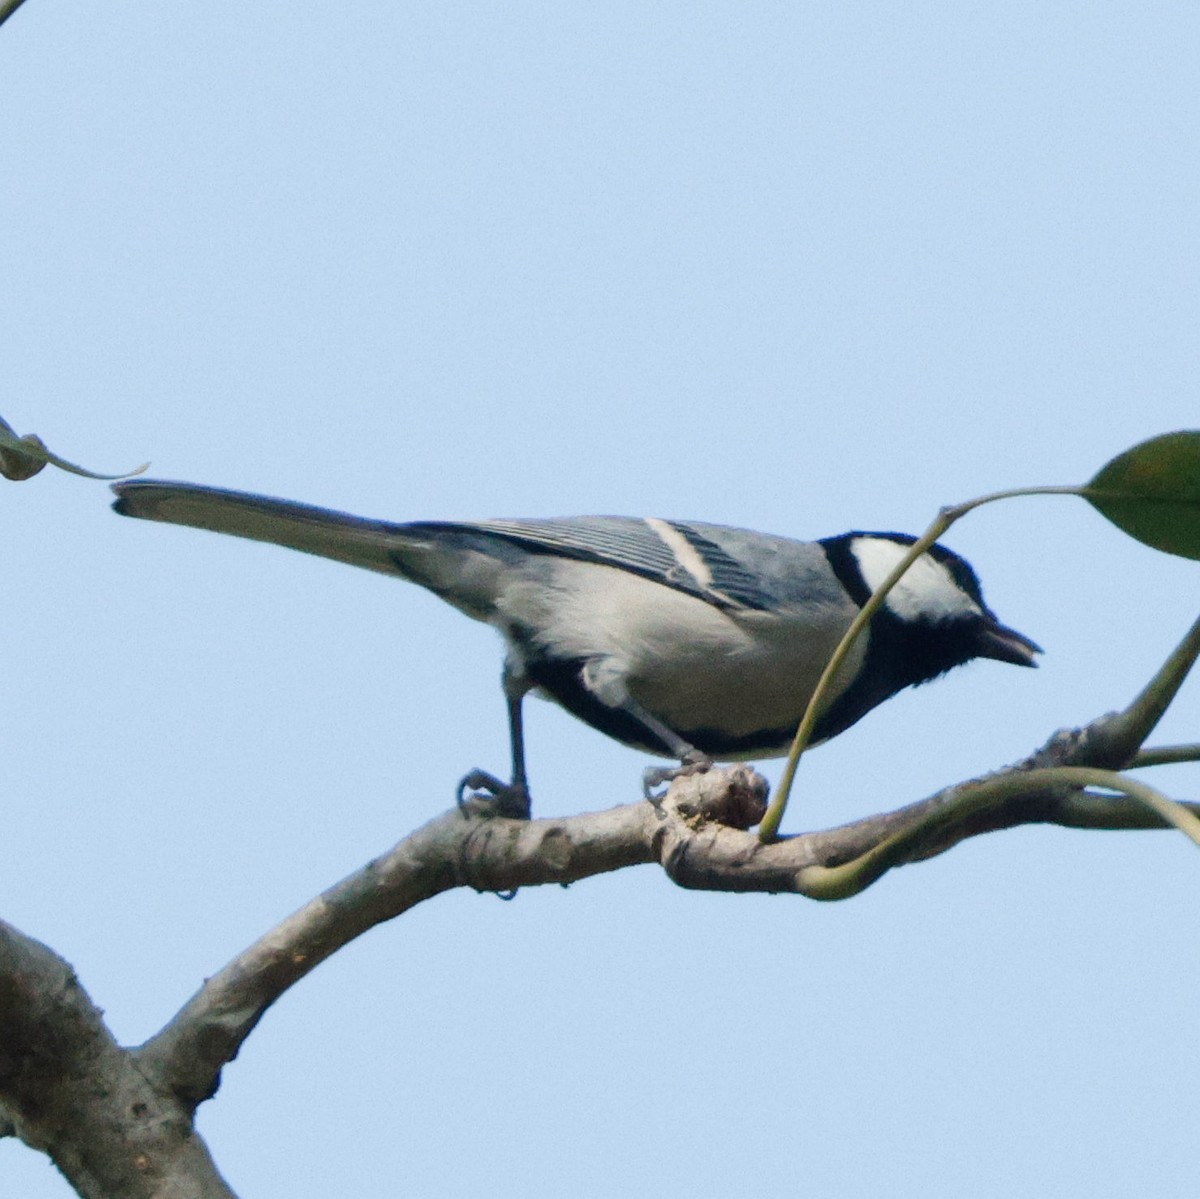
[655,776]
[497,798]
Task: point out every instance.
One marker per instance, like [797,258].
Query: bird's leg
[606,680]
[505,799]
[518,789]
[691,759]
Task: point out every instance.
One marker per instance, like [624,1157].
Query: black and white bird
[688,640]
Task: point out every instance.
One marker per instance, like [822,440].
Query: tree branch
[69,1090]
[119,1121]
[1122,735]
[1166,755]
[456,849]
[696,833]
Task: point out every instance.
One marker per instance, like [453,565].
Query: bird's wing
[673,553]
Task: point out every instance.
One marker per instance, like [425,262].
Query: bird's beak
[1006,645]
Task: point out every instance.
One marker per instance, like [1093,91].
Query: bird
[686,640]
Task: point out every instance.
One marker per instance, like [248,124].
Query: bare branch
[697,834]
[1122,735]
[70,1091]
[456,849]
[1167,755]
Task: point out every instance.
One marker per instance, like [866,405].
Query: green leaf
[22,457]
[1152,492]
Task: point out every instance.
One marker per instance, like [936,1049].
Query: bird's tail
[373,544]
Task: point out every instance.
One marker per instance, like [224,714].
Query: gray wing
[687,557]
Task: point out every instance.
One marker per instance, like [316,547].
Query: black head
[933,620]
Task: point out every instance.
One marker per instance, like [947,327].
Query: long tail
[373,544]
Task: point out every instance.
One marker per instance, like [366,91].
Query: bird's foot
[694,762]
[483,793]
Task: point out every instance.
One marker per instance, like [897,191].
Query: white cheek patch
[927,590]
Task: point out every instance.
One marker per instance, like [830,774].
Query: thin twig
[1123,734]
[1167,755]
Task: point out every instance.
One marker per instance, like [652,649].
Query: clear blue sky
[799,267]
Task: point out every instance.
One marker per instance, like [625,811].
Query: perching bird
[689,640]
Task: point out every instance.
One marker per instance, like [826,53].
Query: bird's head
[935,617]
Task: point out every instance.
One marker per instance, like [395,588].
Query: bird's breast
[727,673]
